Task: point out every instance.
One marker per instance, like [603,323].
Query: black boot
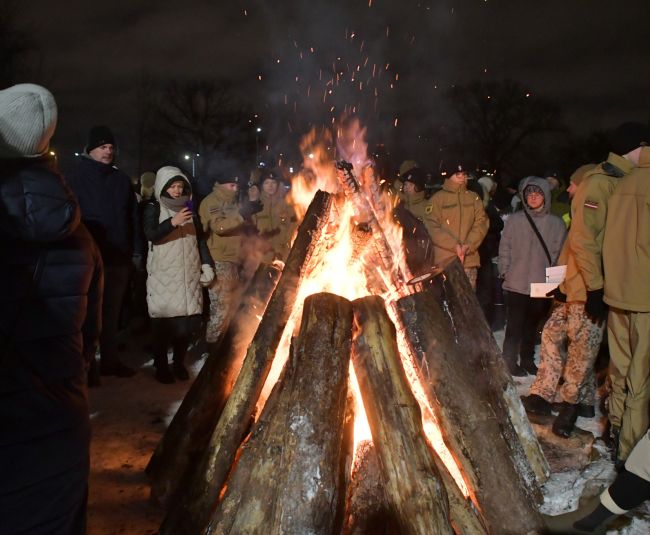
[163,372]
[528,364]
[593,519]
[563,424]
[536,405]
[93,374]
[180,371]
[586,410]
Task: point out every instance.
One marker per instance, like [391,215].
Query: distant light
[258,129]
[187,156]
[197,154]
[291,169]
[76,154]
[311,155]
[52,153]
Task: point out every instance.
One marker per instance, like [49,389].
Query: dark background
[174,78]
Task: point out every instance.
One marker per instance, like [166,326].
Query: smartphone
[190,205]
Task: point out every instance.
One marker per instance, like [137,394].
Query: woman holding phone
[178,265]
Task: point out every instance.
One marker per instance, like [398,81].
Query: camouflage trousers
[222,296]
[569,326]
[472,275]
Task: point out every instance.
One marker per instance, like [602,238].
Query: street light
[257,145]
[191,157]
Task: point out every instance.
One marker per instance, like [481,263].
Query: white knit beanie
[27,121]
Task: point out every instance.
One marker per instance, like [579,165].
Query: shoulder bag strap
[539,236]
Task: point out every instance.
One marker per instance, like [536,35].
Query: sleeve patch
[591,204]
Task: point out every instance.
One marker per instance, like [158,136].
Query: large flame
[342,270]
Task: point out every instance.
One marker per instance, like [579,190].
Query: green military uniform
[626,257]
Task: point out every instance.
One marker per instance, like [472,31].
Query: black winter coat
[109,209]
[50,310]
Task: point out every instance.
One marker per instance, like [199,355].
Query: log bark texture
[290,476]
[453,289]
[412,482]
[188,433]
[190,514]
[367,510]
[459,369]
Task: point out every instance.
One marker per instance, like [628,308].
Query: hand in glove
[595,307]
[249,208]
[207,275]
[557,294]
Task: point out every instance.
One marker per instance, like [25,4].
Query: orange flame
[343,271]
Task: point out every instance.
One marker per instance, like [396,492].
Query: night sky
[589,55]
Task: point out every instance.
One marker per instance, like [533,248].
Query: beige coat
[222,221]
[582,252]
[457,217]
[626,244]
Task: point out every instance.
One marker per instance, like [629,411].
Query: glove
[207,275]
[595,307]
[557,294]
[249,208]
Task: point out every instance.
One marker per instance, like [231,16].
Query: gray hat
[27,121]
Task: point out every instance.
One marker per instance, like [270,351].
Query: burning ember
[336,324]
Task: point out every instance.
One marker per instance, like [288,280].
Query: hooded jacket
[456,216]
[522,259]
[222,221]
[626,243]
[174,259]
[582,252]
[50,314]
[109,209]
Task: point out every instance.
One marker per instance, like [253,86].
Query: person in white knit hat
[50,312]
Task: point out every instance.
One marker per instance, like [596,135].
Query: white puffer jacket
[173,263]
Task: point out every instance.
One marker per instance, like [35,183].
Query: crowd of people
[72,245]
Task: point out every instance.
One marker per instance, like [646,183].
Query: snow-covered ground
[577,488]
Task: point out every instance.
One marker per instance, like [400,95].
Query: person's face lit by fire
[270,186]
[409,188]
[459,177]
[232,186]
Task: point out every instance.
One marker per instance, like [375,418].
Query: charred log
[191,513]
[188,433]
[290,477]
[414,488]
[466,393]
[368,511]
[453,291]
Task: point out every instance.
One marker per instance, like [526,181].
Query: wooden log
[290,476]
[188,433]
[190,514]
[412,482]
[454,292]
[367,509]
[470,409]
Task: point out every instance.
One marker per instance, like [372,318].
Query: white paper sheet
[540,289]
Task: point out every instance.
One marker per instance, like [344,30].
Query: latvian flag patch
[591,204]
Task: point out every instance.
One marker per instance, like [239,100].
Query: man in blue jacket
[109,209]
